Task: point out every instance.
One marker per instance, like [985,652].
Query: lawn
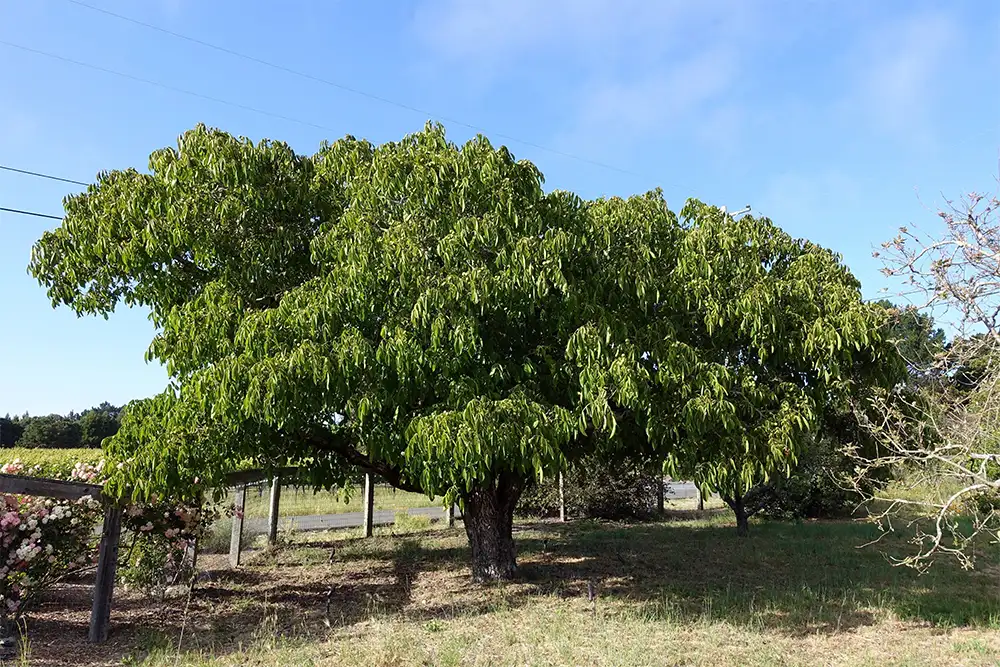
[299,501]
[682,591]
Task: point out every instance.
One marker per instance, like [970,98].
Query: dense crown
[429,312]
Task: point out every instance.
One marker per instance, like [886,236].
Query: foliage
[41,540]
[98,423]
[597,487]
[163,536]
[915,335]
[54,463]
[820,485]
[10,431]
[428,313]
[776,334]
[51,431]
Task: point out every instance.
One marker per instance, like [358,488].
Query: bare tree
[939,434]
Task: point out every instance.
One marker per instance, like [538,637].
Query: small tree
[780,335]
[941,433]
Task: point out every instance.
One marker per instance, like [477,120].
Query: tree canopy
[427,312]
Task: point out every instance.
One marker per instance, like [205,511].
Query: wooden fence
[107,561]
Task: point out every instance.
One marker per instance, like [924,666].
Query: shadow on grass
[796,579]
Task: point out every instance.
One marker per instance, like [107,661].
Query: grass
[682,591]
[298,502]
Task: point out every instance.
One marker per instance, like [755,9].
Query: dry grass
[683,591]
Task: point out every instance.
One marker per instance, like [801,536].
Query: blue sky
[839,120]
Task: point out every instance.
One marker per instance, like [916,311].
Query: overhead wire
[165,86]
[31,213]
[41,175]
[350,89]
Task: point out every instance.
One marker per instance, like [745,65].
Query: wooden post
[272,514]
[104,585]
[236,538]
[368,496]
[562,499]
[449,515]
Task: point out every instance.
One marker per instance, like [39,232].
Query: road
[673,490]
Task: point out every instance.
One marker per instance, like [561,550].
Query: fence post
[104,585]
[272,514]
[562,499]
[236,538]
[368,496]
[449,515]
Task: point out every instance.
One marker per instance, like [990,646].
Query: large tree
[771,335]
[426,312]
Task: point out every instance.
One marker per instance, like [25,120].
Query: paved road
[674,490]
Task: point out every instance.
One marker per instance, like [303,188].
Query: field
[54,462]
[298,502]
[681,591]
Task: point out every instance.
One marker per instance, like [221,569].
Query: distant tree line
[76,429]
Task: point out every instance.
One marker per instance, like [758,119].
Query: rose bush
[44,539]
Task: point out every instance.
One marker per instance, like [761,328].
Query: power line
[350,89]
[32,213]
[165,86]
[41,175]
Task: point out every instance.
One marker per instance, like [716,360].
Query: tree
[943,434]
[780,335]
[98,423]
[10,431]
[53,431]
[427,313]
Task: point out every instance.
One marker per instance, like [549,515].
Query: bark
[489,521]
[737,504]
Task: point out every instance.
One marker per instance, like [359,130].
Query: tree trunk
[737,504]
[489,521]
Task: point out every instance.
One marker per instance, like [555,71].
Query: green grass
[683,591]
[299,502]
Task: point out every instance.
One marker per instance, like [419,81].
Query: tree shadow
[796,579]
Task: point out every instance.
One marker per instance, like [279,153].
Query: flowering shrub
[163,536]
[41,540]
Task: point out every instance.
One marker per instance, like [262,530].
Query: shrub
[820,486]
[160,534]
[163,535]
[596,487]
[42,540]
